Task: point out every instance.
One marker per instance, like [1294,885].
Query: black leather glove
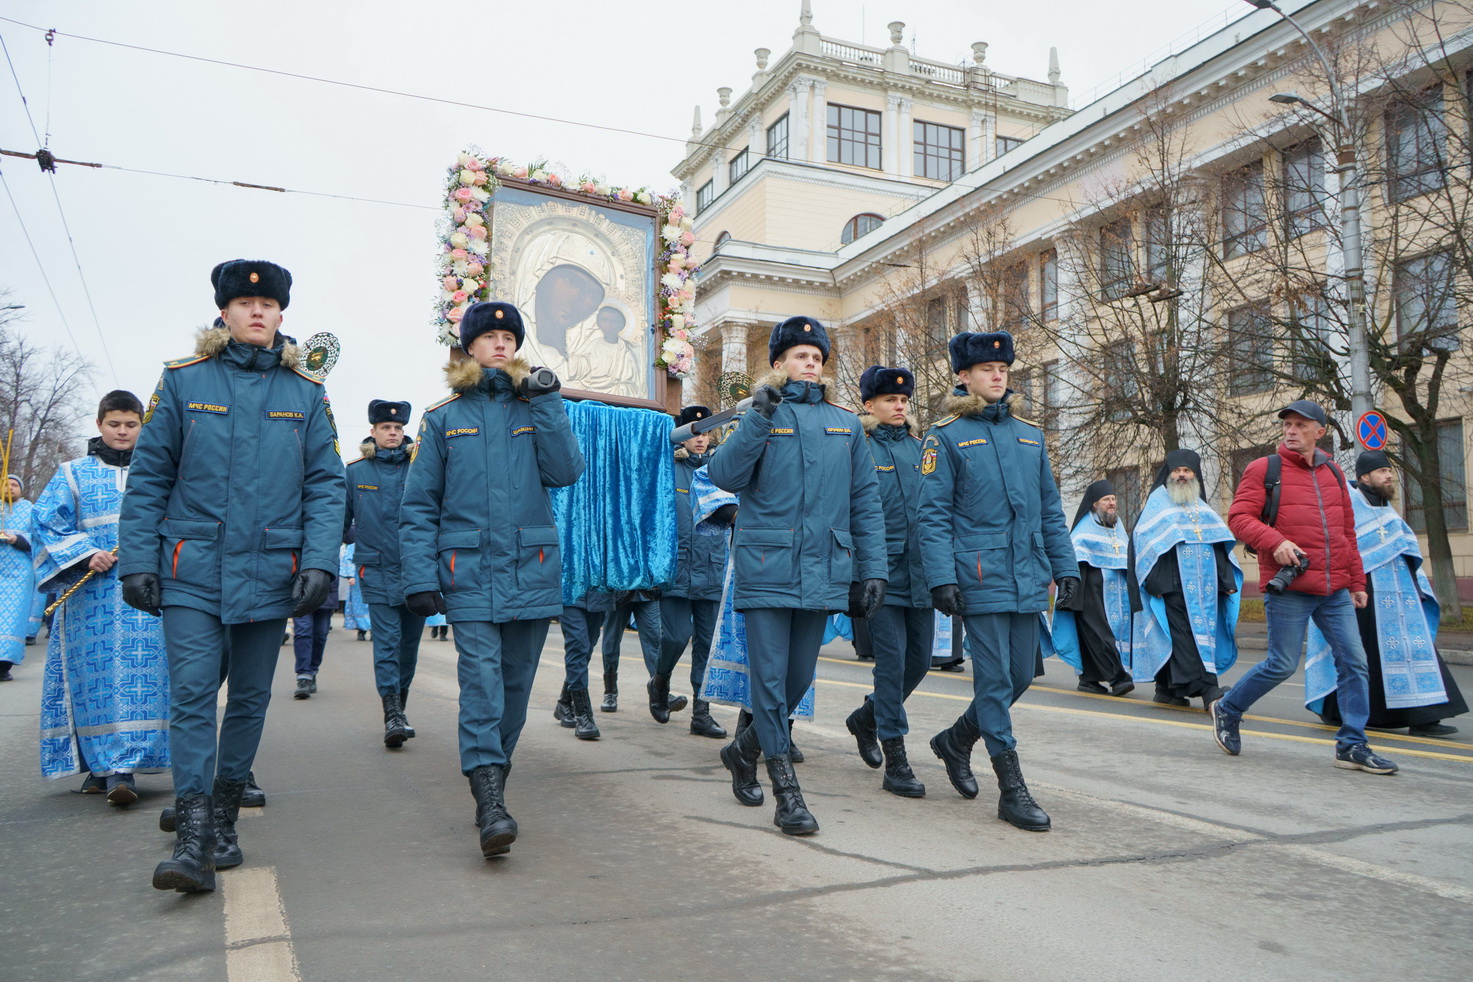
[141,591]
[426,604]
[539,382]
[765,400]
[856,601]
[947,599]
[724,515]
[872,596]
[1068,594]
[309,590]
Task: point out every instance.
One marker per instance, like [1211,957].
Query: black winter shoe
[794,754]
[953,746]
[659,690]
[192,867]
[744,720]
[1093,688]
[861,724]
[253,796]
[166,820]
[226,811]
[1121,687]
[1167,699]
[792,814]
[740,757]
[498,829]
[677,702]
[899,778]
[582,715]
[611,693]
[394,734]
[563,710]
[362,634]
[304,688]
[1016,806]
[702,723]
[403,702]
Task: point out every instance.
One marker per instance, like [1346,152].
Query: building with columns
[1179,232]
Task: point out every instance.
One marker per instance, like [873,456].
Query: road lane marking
[258,945]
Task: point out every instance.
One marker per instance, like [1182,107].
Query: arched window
[721,240]
[860,225]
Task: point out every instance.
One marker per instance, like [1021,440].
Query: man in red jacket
[1309,567]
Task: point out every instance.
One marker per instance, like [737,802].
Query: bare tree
[44,395]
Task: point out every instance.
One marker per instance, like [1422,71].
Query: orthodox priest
[1409,682]
[1186,608]
[1093,634]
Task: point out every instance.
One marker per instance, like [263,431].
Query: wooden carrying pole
[77,585]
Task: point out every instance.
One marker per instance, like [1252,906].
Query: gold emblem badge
[255,277]
[900,380]
[807,327]
[928,461]
[499,315]
[997,344]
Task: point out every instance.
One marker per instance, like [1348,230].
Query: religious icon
[319,354]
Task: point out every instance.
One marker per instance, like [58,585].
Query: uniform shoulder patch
[1029,422]
[310,378]
[949,419]
[181,362]
[928,459]
[845,408]
[442,402]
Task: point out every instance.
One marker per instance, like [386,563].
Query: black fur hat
[972,348]
[795,331]
[490,315]
[250,278]
[692,413]
[383,411]
[878,380]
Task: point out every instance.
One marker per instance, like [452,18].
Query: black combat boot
[166,820]
[792,815]
[794,754]
[253,797]
[226,811]
[677,702]
[702,723]
[498,829]
[192,867]
[659,690]
[953,746]
[611,693]
[899,778]
[740,757]
[403,702]
[744,720]
[563,710]
[1016,806]
[394,735]
[582,715]
[861,724]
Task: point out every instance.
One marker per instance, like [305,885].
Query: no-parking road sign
[1371,430]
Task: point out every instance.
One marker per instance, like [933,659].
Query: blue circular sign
[1371,431]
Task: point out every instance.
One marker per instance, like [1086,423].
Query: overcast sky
[365,271]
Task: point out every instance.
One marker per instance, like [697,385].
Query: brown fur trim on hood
[465,374]
[210,341]
[777,378]
[967,405]
[870,422]
[368,448]
[681,453]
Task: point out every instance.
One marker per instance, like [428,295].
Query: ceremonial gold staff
[77,585]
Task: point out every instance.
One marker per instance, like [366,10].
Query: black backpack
[1273,483]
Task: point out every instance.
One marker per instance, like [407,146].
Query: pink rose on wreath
[586,187]
[454,316]
[459,297]
[480,177]
[687,238]
[478,232]
[450,283]
[519,172]
[458,254]
[474,269]
[626,195]
[458,214]
[462,194]
[554,180]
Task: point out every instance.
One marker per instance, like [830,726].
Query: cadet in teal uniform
[808,528]
[478,541]
[902,629]
[992,536]
[231,522]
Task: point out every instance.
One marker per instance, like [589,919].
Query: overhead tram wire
[66,227]
[41,266]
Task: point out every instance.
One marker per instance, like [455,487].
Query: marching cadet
[375,488]
[902,630]
[808,527]
[688,608]
[230,523]
[479,543]
[992,536]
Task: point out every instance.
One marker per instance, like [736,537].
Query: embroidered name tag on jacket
[462,431]
[207,407]
[781,431]
[523,430]
[837,430]
[972,443]
[368,487]
[1031,443]
[880,467]
[683,490]
[284,414]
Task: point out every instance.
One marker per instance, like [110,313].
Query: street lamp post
[1345,167]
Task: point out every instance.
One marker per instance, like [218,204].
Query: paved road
[1168,859]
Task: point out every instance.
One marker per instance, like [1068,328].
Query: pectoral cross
[1196,522]
[1381,529]
[1115,542]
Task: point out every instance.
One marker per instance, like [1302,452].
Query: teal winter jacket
[701,562]
[376,482]
[897,454]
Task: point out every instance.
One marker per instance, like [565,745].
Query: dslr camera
[1287,574]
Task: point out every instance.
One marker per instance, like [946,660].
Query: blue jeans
[496,667]
[396,634]
[196,643]
[902,645]
[683,620]
[1288,617]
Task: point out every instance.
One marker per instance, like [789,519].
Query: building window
[1021,382]
[777,138]
[1311,330]
[1006,143]
[721,240]
[1158,244]
[1451,478]
[1244,456]
[963,315]
[854,136]
[705,196]
[1244,213]
[1423,290]
[940,151]
[936,317]
[1127,484]
[1117,265]
[1250,338]
[1306,201]
[1053,393]
[1048,285]
[738,166]
[859,226]
[1121,384]
[1416,144]
[1016,309]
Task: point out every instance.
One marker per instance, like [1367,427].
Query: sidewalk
[1456,648]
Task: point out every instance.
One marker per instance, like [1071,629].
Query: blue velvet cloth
[617,523]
